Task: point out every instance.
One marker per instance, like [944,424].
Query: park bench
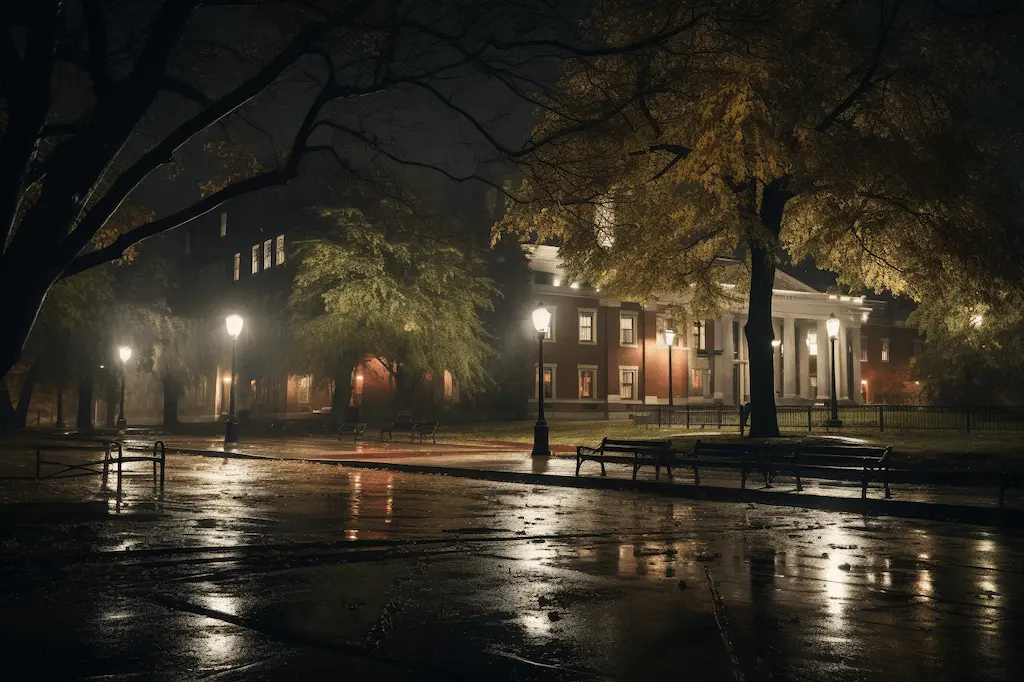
[744,457]
[113,452]
[622,452]
[355,430]
[394,427]
[809,460]
[644,420]
[425,429]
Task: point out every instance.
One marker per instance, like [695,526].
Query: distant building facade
[605,358]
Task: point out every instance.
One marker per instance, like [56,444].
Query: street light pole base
[231,431]
[540,440]
[833,423]
[122,424]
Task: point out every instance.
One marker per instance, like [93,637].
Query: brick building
[604,357]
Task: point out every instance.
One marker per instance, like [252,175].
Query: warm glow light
[359,377]
[776,343]
[670,336]
[832,325]
[541,319]
[978,320]
[574,285]
[234,324]
[864,317]
[556,282]
[863,382]
[125,353]
[227,379]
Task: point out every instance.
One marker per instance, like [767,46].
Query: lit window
[885,350]
[449,386]
[627,384]
[697,377]
[627,329]
[812,343]
[549,382]
[238,266]
[700,335]
[280,249]
[268,254]
[255,258]
[586,326]
[863,347]
[814,383]
[303,389]
[588,380]
[224,224]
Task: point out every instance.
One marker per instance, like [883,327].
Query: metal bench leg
[885,483]
[636,468]
[668,468]
[864,484]
[579,462]
[657,472]
[603,473]
[743,477]
[696,475]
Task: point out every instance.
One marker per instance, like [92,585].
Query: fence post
[881,418]
[741,419]
[720,408]
[687,416]
[120,456]
[658,409]
[808,419]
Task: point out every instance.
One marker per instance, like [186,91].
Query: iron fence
[986,418]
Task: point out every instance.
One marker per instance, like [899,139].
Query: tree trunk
[759,331]
[172,391]
[110,398]
[83,419]
[58,420]
[343,386]
[25,395]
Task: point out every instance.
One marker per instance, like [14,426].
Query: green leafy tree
[844,132]
[412,300]
[974,353]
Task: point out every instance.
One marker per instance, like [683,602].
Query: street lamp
[832,326]
[776,343]
[541,322]
[234,325]
[125,353]
[670,337]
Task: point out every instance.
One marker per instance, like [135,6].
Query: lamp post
[776,343]
[832,326]
[234,324]
[670,337]
[125,353]
[541,320]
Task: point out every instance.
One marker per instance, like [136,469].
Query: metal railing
[987,418]
[113,456]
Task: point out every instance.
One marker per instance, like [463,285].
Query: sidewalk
[511,462]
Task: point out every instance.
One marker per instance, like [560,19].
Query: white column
[718,361]
[777,358]
[842,390]
[856,363]
[824,369]
[805,361]
[789,351]
[724,383]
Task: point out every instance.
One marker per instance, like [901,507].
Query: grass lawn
[911,449]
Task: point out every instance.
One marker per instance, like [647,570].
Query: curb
[930,511]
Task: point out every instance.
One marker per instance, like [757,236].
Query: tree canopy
[412,300]
[869,136]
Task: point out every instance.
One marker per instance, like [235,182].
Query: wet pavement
[256,570]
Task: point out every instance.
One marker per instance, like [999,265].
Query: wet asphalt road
[248,570]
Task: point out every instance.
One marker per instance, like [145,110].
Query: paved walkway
[479,458]
[511,462]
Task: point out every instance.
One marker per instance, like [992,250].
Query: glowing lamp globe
[541,319]
[832,325]
[234,325]
[125,353]
[670,336]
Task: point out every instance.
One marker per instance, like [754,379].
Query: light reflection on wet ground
[286,570]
